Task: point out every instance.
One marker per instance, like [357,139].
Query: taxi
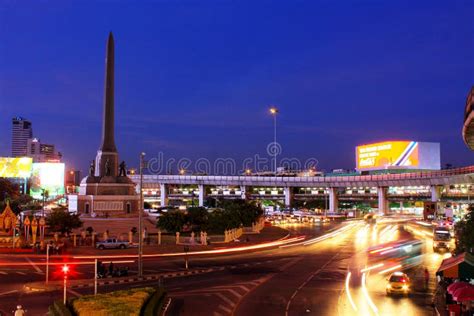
[398,283]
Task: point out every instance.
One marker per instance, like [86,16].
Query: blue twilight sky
[195,78]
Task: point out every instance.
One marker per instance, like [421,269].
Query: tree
[197,217]
[147,205]
[172,221]
[8,189]
[219,220]
[62,221]
[465,233]
[242,212]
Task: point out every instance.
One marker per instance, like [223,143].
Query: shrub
[125,302]
[58,309]
[154,304]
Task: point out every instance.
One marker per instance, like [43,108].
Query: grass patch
[125,302]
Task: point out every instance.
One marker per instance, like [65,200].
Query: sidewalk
[439,303]
[429,294]
[168,245]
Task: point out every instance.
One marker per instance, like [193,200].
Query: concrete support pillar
[202,194]
[382,200]
[164,194]
[333,200]
[435,193]
[288,196]
[243,192]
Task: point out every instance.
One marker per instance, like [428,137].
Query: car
[112,243]
[398,283]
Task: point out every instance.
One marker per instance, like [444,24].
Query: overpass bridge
[451,185]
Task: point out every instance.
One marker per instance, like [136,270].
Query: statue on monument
[107,167]
[92,168]
[122,169]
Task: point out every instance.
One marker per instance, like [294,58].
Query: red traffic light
[65,269]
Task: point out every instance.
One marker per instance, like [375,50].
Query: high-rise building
[22,130]
[73,180]
[41,152]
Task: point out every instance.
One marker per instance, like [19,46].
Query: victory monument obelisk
[106,191]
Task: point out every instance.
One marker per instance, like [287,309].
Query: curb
[57,286]
[120,281]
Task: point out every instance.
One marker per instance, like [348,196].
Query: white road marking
[9,292]
[21,273]
[74,292]
[3,272]
[228,310]
[33,265]
[238,286]
[225,299]
[236,294]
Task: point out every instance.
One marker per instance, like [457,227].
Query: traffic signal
[65,269]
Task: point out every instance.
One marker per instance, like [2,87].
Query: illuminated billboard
[19,167]
[398,155]
[48,176]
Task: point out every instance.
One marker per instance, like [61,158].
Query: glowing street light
[182,171]
[274,112]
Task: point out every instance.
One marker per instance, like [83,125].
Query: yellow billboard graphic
[19,167]
[384,155]
[47,176]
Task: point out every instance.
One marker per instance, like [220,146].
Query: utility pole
[140,224]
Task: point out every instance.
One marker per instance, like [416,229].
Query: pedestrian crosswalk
[227,297]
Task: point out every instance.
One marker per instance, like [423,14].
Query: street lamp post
[326,200]
[186,250]
[95,276]
[140,224]
[43,194]
[47,263]
[274,112]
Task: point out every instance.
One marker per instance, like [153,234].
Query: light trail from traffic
[204,252]
[367,296]
[372,267]
[323,237]
[348,292]
[398,266]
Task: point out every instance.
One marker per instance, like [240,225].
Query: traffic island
[139,301]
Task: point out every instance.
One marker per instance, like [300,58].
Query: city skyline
[175,96]
[236,157]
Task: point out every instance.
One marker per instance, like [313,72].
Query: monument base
[105,205]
